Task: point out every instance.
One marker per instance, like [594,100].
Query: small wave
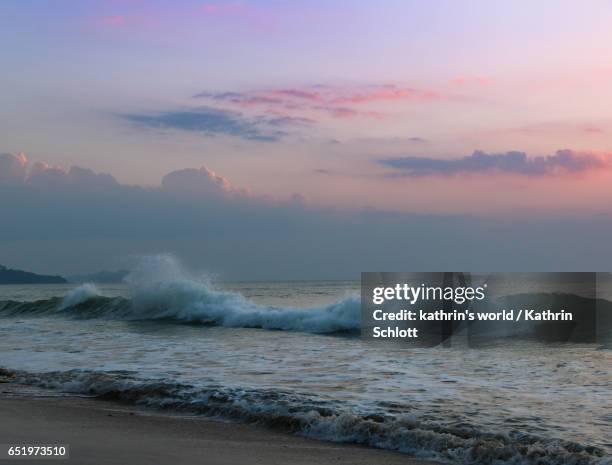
[79,295]
[320,419]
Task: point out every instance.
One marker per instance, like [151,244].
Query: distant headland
[9,276]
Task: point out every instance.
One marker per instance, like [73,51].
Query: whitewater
[289,356]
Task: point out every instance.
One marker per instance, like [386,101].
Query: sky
[267,139]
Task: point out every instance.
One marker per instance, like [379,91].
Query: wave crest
[79,295]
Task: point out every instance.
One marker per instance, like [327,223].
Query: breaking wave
[328,420]
[79,295]
[160,290]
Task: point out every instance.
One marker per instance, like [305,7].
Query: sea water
[288,355]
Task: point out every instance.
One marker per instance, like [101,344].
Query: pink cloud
[461,80]
[592,129]
[297,93]
[111,21]
[143,17]
[387,93]
[339,112]
[561,127]
[345,112]
[222,8]
[332,101]
[178,20]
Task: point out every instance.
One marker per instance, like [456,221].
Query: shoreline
[106,432]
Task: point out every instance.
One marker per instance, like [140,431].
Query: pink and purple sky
[492,109]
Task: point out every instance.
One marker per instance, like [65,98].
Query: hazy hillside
[8,276]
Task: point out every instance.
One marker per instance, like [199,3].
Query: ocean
[288,355]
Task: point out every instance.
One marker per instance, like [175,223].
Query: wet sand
[102,432]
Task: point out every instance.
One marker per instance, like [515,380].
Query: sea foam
[463,444]
[161,289]
[79,295]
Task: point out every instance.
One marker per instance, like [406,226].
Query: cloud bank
[518,163]
[74,221]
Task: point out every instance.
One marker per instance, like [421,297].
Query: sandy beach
[103,432]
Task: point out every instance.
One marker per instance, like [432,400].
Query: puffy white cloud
[17,170]
[197,181]
[43,175]
[13,168]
